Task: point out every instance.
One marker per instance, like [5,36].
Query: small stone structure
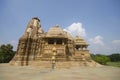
[37,48]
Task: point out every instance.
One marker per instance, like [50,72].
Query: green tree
[6,53]
[115,57]
[102,59]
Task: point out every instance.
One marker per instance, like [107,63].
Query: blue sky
[97,21]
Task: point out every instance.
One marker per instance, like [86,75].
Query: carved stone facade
[36,47]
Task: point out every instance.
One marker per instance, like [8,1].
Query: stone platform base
[65,64]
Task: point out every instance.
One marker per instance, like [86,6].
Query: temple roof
[80,41]
[69,36]
[56,32]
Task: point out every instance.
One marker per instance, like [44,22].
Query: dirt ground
[8,72]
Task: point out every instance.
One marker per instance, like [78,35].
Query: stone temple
[39,48]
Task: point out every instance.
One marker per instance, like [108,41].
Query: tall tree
[6,53]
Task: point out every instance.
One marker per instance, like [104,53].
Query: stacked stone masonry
[35,47]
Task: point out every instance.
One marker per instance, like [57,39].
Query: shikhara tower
[37,47]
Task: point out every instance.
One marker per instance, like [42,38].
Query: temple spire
[33,27]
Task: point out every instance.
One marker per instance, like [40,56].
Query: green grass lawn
[115,64]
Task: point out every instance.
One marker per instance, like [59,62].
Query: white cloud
[116,41]
[67,31]
[98,46]
[76,29]
[97,40]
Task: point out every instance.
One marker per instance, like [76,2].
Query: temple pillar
[63,42]
[55,42]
